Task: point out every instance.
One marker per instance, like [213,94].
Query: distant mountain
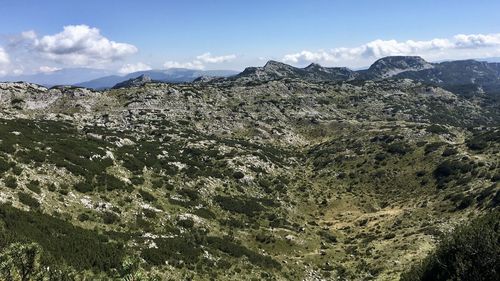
[134,82]
[393,65]
[172,75]
[314,72]
[68,76]
[465,77]
[103,82]
[457,72]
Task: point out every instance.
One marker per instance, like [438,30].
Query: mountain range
[104,79]
[466,74]
[172,75]
[66,76]
[412,67]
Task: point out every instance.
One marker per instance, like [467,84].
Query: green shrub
[192,194]
[110,217]
[83,217]
[236,250]
[380,156]
[398,148]
[437,129]
[431,147]
[186,223]
[137,180]
[158,183]
[173,250]
[4,166]
[110,182]
[465,203]
[204,213]
[17,170]
[147,196]
[476,144]
[471,252]
[328,236]
[451,168]
[150,214]
[238,175]
[10,182]
[449,152]
[34,186]
[27,200]
[63,242]
[84,187]
[247,206]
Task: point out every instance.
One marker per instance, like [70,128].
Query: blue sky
[233,34]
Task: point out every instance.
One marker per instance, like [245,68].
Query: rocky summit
[133,82]
[276,173]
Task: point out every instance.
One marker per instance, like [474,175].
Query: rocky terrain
[277,173]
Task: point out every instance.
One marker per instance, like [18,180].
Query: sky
[127,36]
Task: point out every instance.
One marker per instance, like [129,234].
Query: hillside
[277,173]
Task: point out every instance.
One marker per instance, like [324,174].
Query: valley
[277,173]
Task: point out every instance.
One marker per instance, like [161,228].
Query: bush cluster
[472,252]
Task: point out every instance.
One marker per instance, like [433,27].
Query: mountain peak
[134,82]
[272,64]
[400,61]
[313,66]
[389,66]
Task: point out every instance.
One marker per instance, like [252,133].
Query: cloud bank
[48,69]
[460,46]
[134,67]
[200,61]
[4,61]
[191,65]
[4,57]
[208,58]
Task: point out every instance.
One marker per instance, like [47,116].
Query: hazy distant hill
[68,76]
[173,75]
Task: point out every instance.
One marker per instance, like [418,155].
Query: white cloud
[200,61]
[4,57]
[78,45]
[477,40]
[48,69]
[460,46]
[129,68]
[208,58]
[4,62]
[17,71]
[28,35]
[190,65]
